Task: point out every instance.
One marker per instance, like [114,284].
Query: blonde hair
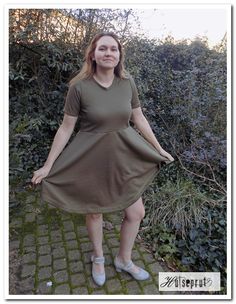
[89,66]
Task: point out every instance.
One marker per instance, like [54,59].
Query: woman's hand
[167,155]
[39,175]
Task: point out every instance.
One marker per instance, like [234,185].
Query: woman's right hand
[39,175]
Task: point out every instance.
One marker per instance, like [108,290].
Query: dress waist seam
[97,132]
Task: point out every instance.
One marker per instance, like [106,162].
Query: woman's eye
[103,49]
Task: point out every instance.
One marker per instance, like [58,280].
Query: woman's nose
[108,52]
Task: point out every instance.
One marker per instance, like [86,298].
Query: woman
[108,165]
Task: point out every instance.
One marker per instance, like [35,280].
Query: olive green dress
[108,164]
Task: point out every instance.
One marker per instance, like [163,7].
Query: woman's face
[107,54]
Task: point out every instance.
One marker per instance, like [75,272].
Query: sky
[184,23]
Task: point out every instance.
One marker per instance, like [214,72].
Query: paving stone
[72,244]
[108,259]
[88,269]
[155,268]
[43,240]
[29,240]
[30,217]
[30,199]
[110,272]
[55,225]
[58,252]
[28,270]
[78,279]
[113,242]
[26,286]
[114,251]
[115,218]
[74,255]
[151,289]
[59,264]
[62,289]
[16,223]
[140,264]
[86,246]
[105,249]
[76,267]
[98,292]
[142,249]
[60,276]
[45,260]
[117,228]
[68,225]
[82,231]
[56,236]
[84,239]
[40,219]
[44,288]
[44,273]
[111,235]
[29,258]
[80,290]
[44,249]
[14,245]
[87,257]
[30,249]
[133,288]
[125,276]
[70,235]
[148,258]
[113,285]
[28,209]
[135,255]
[57,245]
[43,230]
[91,282]
[155,278]
[65,216]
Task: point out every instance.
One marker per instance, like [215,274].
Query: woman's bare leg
[129,230]
[95,231]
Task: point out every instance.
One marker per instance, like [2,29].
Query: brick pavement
[52,252]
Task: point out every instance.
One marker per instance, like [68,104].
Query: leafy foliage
[186,227]
[183,88]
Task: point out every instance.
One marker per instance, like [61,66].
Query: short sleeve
[72,101]
[135,102]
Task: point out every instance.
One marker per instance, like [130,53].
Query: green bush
[186,227]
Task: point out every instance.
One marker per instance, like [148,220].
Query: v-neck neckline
[105,88]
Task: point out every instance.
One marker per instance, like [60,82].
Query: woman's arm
[143,126]
[60,140]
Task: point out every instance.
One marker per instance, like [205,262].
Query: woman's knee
[136,215]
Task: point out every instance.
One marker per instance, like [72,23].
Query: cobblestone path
[50,254]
